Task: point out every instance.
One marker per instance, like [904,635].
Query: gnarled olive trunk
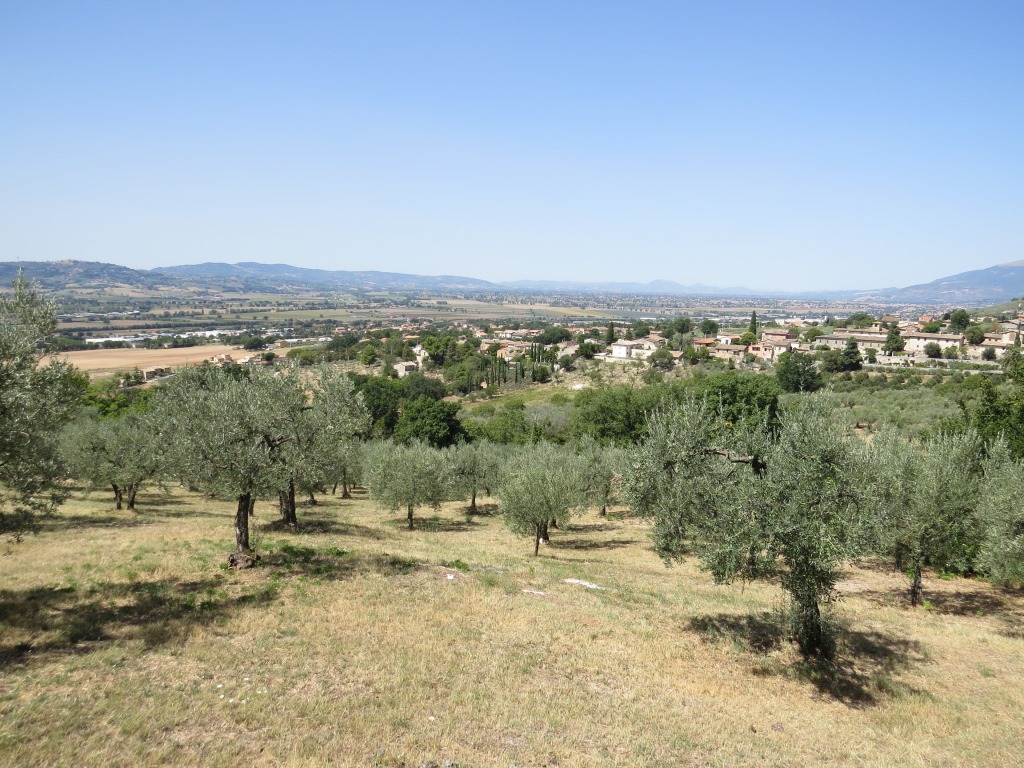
[811,633]
[287,501]
[118,495]
[131,490]
[472,503]
[899,556]
[243,556]
[344,485]
[916,589]
[409,515]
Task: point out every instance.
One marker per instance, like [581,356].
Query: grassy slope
[123,642]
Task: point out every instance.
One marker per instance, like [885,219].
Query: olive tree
[474,469]
[36,401]
[325,420]
[121,453]
[752,503]
[346,463]
[540,484]
[224,429]
[927,496]
[1001,554]
[602,466]
[406,476]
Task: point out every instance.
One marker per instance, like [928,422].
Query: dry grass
[124,642]
[100,362]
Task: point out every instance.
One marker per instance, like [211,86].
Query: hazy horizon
[785,148]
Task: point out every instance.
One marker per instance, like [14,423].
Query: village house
[512,349]
[875,333]
[917,340]
[626,350]
[975,351]
[1005,336]
[864,340]
[405,367]
[729,351]
[768,350]
[156,372]
[777,335]
[421,354]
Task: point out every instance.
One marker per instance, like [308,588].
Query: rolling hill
[978,287]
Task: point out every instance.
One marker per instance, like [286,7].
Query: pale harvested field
[101,362]
[124,642]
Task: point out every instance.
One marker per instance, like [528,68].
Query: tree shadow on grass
[323,524]
[576,527]
[66,521]
[483,510]
[952,603]
[591,544]
[969,599]
[331,563]
[436,524]
[149,501]
[47,623]
[625,513]
[862,672]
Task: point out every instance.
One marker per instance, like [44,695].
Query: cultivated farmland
[103,362]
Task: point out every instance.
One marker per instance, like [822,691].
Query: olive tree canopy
[756,502]
[35,403]
[541,484]
[224,429]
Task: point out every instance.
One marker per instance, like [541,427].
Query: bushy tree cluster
[232,433]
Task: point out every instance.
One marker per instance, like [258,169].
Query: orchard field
[125,641]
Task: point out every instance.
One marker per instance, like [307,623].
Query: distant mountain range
[969,289]
[300,276]
[978,287]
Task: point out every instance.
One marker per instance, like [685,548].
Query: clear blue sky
[768,144]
